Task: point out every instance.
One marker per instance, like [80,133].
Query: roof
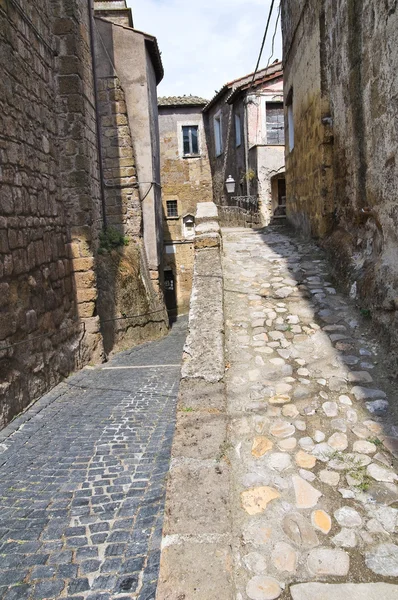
[151,44]
[109,9]
[269,73]
[174,101]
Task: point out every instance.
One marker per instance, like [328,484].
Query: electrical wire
[263,42]
[274,36]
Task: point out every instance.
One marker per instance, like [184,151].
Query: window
[238,134]
[218,134]
[290,119]
[190,140]
[275,123]
[172,208]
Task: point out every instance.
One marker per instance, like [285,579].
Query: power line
[263,42]
[274,36]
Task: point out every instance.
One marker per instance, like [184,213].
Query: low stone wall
[196,546]
[234,216]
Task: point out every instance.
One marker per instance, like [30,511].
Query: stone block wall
[78,181]
[41,338]
[189,182]
[123,207]
[50,207]
[130,309]
[341,60]
[308,163]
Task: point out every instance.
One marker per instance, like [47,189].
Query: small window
[172,208]
[290,120]
[275,123]
[238,134]
[218,134]
[190,140]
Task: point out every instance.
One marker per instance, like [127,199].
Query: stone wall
[50,204]
[308,163]
[341,60]
[232,159]
[129,307]
[187,180]
[192,544]
[48,181]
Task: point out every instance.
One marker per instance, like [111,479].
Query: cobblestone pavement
[82,478]
[313,438]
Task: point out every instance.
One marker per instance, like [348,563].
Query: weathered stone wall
[129,55]
[50,208]
[341,60]
[179,257]
[308,163]
[48,181]
[129,308]
[232,159]
[193,541]
[123,209]
[79,181]
[187,180]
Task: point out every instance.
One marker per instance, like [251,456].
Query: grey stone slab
[337,591]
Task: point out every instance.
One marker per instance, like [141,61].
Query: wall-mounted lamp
[230,185]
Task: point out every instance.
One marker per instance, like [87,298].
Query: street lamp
[230,185]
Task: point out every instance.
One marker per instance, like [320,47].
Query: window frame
[190,154]
[218,142]
[171,216]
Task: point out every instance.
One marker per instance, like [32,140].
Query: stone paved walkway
[313,439]
[82,477]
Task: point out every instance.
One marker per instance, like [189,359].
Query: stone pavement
[82,479]
[312,435]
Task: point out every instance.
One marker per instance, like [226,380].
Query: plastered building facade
[340,64]
[186,181]
[245,136]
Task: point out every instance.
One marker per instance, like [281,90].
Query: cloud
[206,43]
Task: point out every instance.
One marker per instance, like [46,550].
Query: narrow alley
[313,432]
[82,476]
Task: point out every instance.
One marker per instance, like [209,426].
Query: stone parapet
[207,229]
[196,557]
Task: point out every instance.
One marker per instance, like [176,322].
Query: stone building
[186,181]
[340,66]
[54,283]
[245,134]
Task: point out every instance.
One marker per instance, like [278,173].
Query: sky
[206,43]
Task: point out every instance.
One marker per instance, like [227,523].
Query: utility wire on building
[263,42]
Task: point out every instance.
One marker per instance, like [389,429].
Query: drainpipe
[246,136]
[97,116]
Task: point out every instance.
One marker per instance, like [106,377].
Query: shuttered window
[275,124]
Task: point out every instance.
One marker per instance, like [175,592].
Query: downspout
[97,117]
[246,128]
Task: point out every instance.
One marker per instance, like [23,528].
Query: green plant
[365,312]
[110,239]
[248,176]
[378,443]
[187,409]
